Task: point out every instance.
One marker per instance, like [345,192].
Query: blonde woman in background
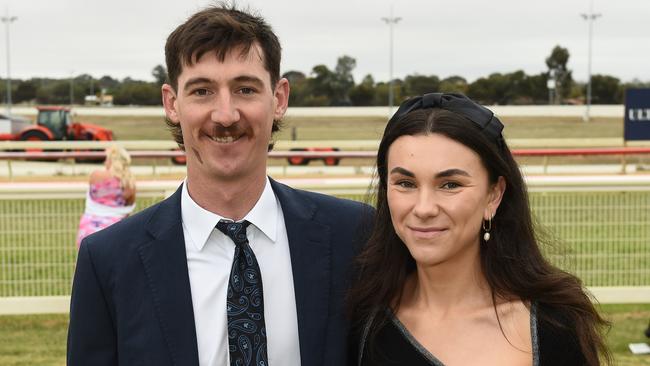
[111,193]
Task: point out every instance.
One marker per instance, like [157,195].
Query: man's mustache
[220,130]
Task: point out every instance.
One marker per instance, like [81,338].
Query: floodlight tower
[8,20]
[391,21]
[590,19]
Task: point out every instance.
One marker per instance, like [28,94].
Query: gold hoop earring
[487,226]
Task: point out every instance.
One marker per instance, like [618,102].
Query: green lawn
[40,339]
[362,128]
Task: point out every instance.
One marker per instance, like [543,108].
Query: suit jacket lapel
[311,265]
[165,265]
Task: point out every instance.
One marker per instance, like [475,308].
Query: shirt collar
[200,222]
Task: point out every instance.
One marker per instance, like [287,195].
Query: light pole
[71,88]
[590,19]
[8,20]
[391,21]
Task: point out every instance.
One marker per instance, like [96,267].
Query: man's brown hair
[220,29]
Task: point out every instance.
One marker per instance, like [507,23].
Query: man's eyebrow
[452,172]
[194,81]
[249,79]
[400,170]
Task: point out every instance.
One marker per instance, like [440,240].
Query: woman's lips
[427,232]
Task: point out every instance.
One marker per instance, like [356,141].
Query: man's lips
[226,135]
[225,139]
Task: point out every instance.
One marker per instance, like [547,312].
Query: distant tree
[364,93]
[498,88]
[25,91]
[54,92]
[299,87]
[381,93]
[134,92]
[327,87]
[319,86]
[85,84]
[159,74]
[415,85]
[533,90]
[606,89]
[559,72]
[636,83]
[453,84]
[108,83]
[294,76]
[343,80]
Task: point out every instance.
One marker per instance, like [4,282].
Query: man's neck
[231,199]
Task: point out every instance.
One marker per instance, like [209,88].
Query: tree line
[336,87]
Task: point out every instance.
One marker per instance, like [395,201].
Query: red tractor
[53,123]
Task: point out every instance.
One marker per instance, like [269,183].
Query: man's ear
[281,98]
[169,102]
[495,196]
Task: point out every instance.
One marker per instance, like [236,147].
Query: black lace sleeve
[558,341]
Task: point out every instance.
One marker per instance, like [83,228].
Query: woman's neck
[448,288]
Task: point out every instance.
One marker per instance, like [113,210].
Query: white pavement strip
[61,304]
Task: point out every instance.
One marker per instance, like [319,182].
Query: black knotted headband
[457,103]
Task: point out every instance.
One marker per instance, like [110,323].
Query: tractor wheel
[34,136]
[331,161]
[179,160]
[298,160]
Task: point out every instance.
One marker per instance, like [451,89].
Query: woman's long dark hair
[512,261]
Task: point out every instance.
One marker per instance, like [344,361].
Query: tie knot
[234,230]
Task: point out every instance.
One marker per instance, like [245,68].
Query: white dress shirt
[209,258]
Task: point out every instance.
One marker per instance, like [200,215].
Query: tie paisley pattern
[245,301]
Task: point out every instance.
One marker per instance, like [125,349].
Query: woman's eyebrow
[400,170]
[451,172]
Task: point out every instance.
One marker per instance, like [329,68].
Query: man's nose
[224,111]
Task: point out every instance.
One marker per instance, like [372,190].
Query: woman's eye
[450,185]
[405,184]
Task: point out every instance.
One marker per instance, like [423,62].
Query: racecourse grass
[41,339]
[371,128]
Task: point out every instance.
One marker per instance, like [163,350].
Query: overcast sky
[470,38]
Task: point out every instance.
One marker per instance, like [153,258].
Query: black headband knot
[457,103]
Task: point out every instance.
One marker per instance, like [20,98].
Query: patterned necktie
[245,301]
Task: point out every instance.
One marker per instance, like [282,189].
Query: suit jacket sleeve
[91,333]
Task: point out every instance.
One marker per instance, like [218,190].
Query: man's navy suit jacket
[131,300]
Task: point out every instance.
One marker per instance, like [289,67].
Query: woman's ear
[494,198]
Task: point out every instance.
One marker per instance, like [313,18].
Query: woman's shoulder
[99,175]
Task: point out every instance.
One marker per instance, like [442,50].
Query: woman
[111,193]
[453,273]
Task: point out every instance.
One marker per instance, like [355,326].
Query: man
[177,284]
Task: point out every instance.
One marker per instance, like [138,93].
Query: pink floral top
[109,193]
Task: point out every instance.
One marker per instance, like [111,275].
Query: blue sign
[637,114]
